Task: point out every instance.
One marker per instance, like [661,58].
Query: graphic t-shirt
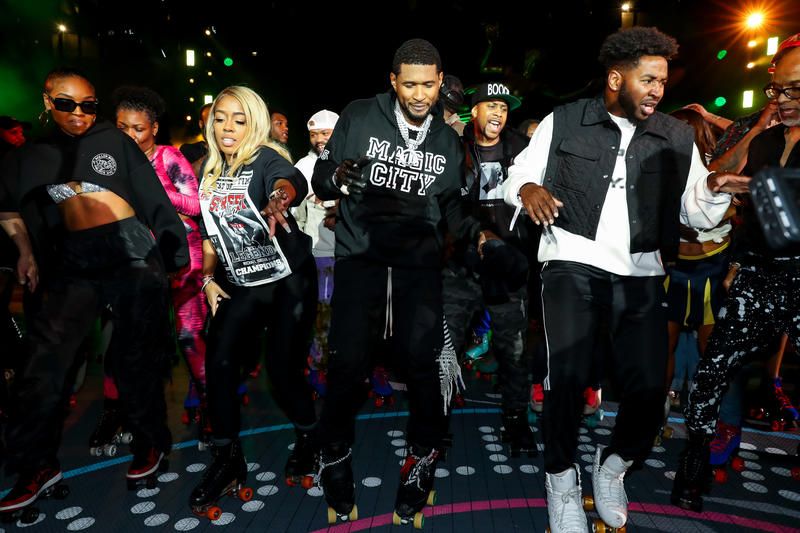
[239,233]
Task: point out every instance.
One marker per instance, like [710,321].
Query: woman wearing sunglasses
[104,234]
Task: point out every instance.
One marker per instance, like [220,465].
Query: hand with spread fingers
[541,206]
[349,176]
[277,209]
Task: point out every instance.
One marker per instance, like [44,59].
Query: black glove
[503,270]
[348,176]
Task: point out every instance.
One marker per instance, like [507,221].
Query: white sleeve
[529,166]
[700,207]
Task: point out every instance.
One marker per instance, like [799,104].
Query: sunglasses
[68,105]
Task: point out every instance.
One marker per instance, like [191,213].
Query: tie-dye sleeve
[178,179]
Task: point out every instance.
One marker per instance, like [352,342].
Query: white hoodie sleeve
[530,164]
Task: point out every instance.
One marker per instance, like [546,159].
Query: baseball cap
[322,120]
[787,44]
[495,91]
[6,123]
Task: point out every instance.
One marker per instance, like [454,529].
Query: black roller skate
[517,433]
[226,476]
[416,486]
[43,482]
[336,478]
[109,434]
[302,463]
[145,467]
[693,476]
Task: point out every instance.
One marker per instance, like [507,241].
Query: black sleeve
[275,168]
[153,207]
[9,171]
[334,153]
[453,206]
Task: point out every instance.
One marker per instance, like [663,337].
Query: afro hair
[625,48]
[139,99]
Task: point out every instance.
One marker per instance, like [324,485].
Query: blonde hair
[257,120]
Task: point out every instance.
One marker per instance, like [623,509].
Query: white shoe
[610,499]
[565,502]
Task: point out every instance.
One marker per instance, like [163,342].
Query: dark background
[322,55]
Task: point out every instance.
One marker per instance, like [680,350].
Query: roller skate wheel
[332,516]
[588,503]
[667,433]
[126,438]
[213,513]
[419,520]
[720,475]
[431,498]
[110,450]
[738,464]
[777,425]
[796,473]
[60,492]
[396,520]
[290,482]
[308,482]
[201,446]
[378,402]
[353,515]
[245,494]
[29,515]
[96,451]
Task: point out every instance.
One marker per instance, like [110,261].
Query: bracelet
[206,281]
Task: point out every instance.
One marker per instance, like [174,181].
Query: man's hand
[330,216]
[727,182]
[539,203]
[768,115]
[348,176]
[28,272]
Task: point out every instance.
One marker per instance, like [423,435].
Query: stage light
[772,46]
[207,99]
[191,98]
[626,7]
[721,54]
[755,20]
[208,32]
[62,28]
[747,99]
[188,118]
[191,80]
[228,62]
[720,101]
[751,43]
[189,58]
[751,64]
[210,73]
[208,54]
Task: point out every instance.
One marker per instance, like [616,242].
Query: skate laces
[416,467]
[614,485]
[571,517]
[323,465]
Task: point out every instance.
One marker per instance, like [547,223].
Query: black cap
[495,91]
[7,123]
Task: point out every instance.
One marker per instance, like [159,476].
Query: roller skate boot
[536,403]
[566,508]
[724,451]
[416,486]
[481,347]
[517,433]
[43,482]
[225,476]
[108,434]
[335,476]
[302,463]
[381,390]
[145,467]
[787,416]
[692,476]
[592,412]
[609,488]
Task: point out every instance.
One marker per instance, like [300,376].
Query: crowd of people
[607,223]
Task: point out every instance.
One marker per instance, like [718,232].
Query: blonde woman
[257,272]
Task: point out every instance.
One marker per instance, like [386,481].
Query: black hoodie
[399,219]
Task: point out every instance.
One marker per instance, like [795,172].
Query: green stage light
[227,62]
[720,101]
[721,54]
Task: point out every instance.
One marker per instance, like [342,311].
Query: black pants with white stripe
[584,309]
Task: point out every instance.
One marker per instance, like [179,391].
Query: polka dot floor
[480,486]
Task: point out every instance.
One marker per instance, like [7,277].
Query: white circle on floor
[755,487]
[790,495]
[224,520]
[371,482]
[584,438]
[290,447]
[493,395]
[587,458]
[670,474]
[156,520]
[265,476]
[441,472]
[785,472]
[144,507]
[195,467]
[498,458]
[494,447]
[41,518]
[655,463]
[489,438]
[776,451]
[267,490]
[465,470]
[747,446]
[586,448]
[503,469]
[486,429]
[315,492]
[602,431]
[582,431]
[395,433]
[252,506]
[400,452]
[589,468]
[166,477]
[69,512]
[186,524]
[80,524]
[748,455]
[398,442]
[528,469]
[750,465]
[252,467]
[754,476]
[148,493]
[658,449]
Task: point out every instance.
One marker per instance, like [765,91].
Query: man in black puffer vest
[609,179]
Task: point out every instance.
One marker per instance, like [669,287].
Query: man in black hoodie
[397,168]
[471,285]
